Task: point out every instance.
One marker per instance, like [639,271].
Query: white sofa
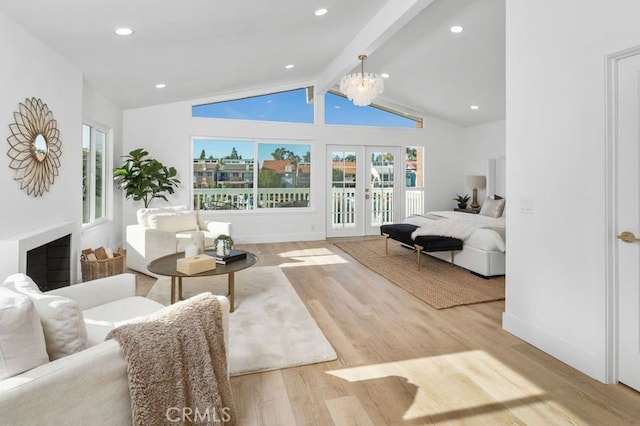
[166,230]
[89,386]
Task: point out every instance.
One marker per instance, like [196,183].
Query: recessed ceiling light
[384,75]
[161,85]
[474,107]
[123,31]
[456,29]
[321,12]
[289,66]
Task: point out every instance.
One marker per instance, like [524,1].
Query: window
[293,106]
[340,110]
[94,173]
[227,177]
[285,175]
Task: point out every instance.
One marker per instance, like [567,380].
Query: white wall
[444,165]
[482,143]
[555,157]
[166,131]
[31,69]
[98,110]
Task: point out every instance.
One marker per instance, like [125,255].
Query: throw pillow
[492,208]
[174,222]
[62,322]
[143,214]
[22,344]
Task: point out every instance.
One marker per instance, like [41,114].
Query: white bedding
[482,232]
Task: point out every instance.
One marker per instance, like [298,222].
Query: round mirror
[40,147]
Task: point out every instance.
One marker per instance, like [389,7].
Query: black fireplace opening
[49,265]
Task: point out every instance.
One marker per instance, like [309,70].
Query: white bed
[483,239]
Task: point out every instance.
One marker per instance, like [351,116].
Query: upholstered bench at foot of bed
[401,232]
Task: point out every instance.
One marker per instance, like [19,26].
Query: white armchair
[89,386]
[166,230]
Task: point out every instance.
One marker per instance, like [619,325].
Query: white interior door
[628,218]
[363,189]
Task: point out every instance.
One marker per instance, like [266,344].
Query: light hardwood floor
[401,362]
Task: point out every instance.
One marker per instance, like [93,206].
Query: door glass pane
[343,189]
[100,168]
[414,193]
[381,188]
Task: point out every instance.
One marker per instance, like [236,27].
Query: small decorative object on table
[223,244]
[462,200]
[232,256]
[196,264]
[196,246]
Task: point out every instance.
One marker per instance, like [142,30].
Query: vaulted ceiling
[203,48]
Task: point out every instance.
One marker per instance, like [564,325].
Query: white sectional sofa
[88,385]
[166,230]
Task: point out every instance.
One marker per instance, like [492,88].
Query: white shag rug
[270,328]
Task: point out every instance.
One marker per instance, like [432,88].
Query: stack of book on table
[231,257]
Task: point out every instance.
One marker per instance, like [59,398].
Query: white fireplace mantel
[13,250]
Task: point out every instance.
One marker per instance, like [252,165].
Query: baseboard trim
[278,238]
[587,362]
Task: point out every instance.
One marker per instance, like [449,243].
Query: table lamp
[476,182]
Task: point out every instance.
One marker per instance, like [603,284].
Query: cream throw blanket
[445,227]
[177,364]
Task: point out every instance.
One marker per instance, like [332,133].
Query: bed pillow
[62,322]
[22,344]
[492,208]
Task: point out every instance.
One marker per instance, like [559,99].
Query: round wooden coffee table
[166,265]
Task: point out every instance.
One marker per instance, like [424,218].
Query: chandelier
[362,88]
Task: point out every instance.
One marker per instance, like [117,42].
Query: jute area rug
[438,283]
[270,328]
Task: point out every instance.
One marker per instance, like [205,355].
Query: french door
[364,189]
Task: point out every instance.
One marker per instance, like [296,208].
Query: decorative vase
[198,238]
[191,250]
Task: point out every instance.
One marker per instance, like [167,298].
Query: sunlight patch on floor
[311,257]
[456,385]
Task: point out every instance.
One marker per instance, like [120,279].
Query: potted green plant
[223,244]
[462,200]
[144,178]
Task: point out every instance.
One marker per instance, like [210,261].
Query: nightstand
[467,210]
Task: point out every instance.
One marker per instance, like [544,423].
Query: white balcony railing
[343,205]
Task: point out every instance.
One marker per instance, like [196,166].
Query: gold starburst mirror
[35,147]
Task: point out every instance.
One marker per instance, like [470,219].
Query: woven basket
[94,269]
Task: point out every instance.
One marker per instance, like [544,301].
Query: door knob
[628,237]
[366,197]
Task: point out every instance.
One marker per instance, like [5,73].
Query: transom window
[292,106]
[340,110]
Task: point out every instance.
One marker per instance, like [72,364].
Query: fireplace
[47,255]
[49,265]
